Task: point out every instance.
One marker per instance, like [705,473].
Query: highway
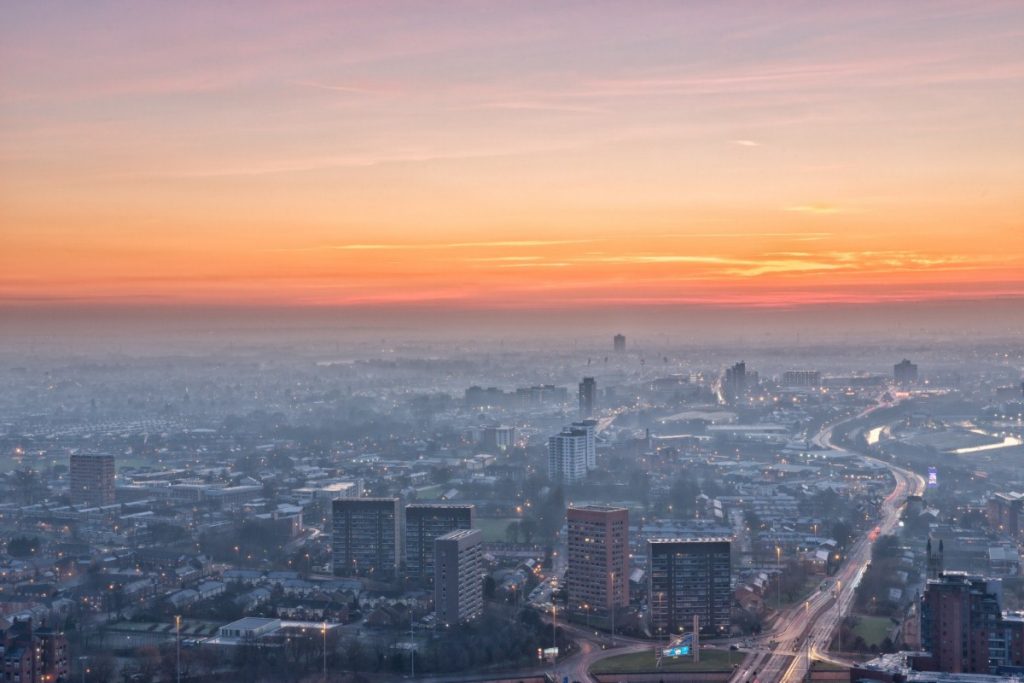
[804,632]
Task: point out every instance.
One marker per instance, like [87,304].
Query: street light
[839,608]
[323,630]
[778,581]
[177,647]
[554,623]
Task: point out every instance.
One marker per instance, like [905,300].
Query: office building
[92,479]
[1004,511]
[498,437]
[597,579]
[737,381]
[365,537]
[541,395]
[687,577]
[961,623]
[804,379]
[619,343]
[424,523]
[904,372]
[567,455]
[459,581]
[588,397]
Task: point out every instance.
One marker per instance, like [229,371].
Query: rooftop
[695,539]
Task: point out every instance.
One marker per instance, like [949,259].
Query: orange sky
[511,154]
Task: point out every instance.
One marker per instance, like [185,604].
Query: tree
[147,661]
[512,532]
[841,532]
[683,496]
[753,521]
[28,485]
[23,546]
[528,527]
[100,668]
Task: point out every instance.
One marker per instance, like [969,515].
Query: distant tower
[904,373]
[588,396]
[92,479]
[619,343]
[738,381]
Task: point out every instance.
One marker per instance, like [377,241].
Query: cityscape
[384,517]
[483,342]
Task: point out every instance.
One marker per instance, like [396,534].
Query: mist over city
[482,342]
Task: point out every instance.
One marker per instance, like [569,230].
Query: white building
[249,628]
[567,455]
[590,427]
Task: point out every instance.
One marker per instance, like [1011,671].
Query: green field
[640,662]
[429,492]
[494,528]
[872,629]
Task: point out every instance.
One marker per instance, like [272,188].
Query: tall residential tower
[365,537]
[423,524]
[597,579]
[688,577]
[92,479]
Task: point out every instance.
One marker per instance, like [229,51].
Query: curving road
[804,632]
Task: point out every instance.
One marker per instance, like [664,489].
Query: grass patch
[641,662]
[819,665]
[493,528]
[429,492]
[872,629]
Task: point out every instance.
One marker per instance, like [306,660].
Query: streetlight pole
[412,647]
[324,630]
[839,608]
[177,647]
[554,626]
[778,582]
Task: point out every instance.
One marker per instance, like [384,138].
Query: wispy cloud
[503,259]
[346,88]
[819,209]
[745,143]
[519,243]
[416,246]
[539,105]
[798,236]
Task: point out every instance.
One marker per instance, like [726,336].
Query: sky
[510,155]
